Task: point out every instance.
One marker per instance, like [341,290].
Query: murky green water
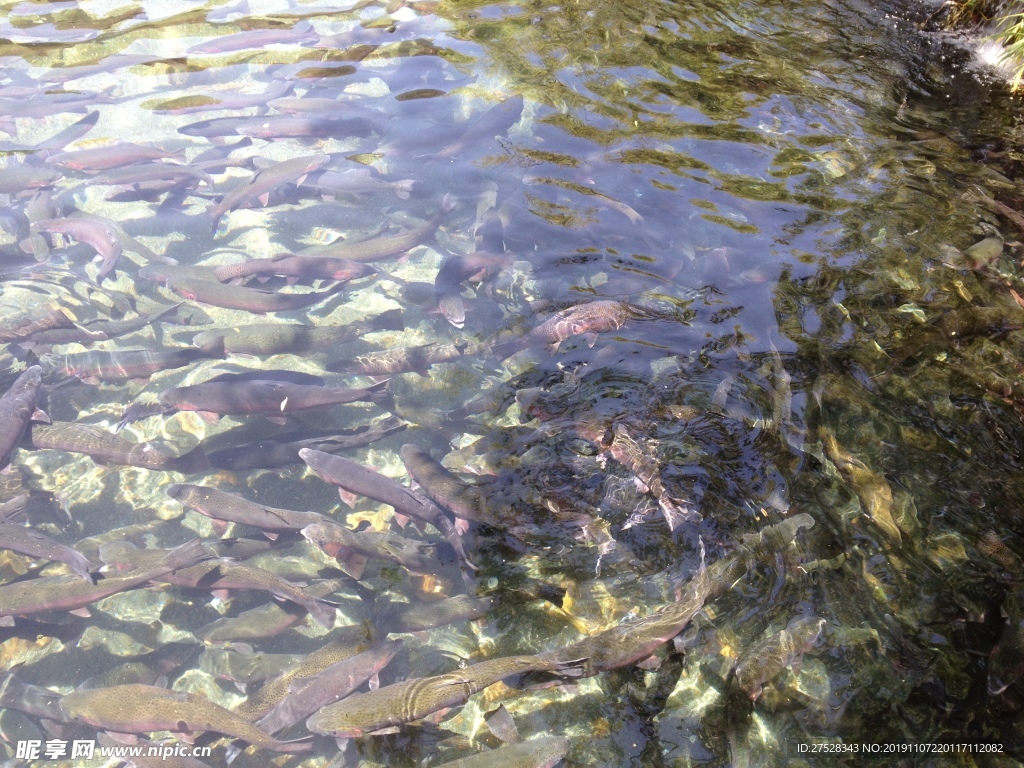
[790,191]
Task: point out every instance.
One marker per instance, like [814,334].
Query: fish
[346,643]
[764,660]
[126,364]
[872,489]
[98,330]
[240,664]
[463,500]
[282,451]
[17,408]
[305,126]
[264,182]
[352,477]
[583,319]
[113,156]
[138,708]
[230,508]
[218,294]
[303,267]
[420,616]
[266,620]
[20,328]
[417,359]
[352,548]
[232,396]
[635,640]
[26,541]
[106,448]
[356,180]
[91,230]
[455,270]
[308,694]
[277,338]
[17,179]
[542,752]
[218,575]
[387,246]
[258,39]
[496,121]
[400,703]
[33,700]
[72,593]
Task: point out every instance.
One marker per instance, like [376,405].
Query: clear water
[791,186]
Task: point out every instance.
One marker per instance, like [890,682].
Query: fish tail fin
[189,553]
[214,347]
[403,188]
[447,203]
[323,612]
[379,391]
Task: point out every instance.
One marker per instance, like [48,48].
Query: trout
[282,451]
[346,643]
[266,620]
[871,488]
[144,708]
[764,660]
[463,500]
[70,593]
[308,694]
[352,477]
[584,319]
[25,541]
[543,752]
[234,396]
[218,575]
[417,617]
[126,364]
[403,360]
[250,299]
[264,182]
[298,267]
[17,407]
[388,246]
[352,548]
[105,448]
[278,338]
[229,508]
[91,230]
[368,713]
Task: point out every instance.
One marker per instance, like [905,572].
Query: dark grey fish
[296,267]
[463,500]
[231,508]
[98,330]
[218,575]
[344,644]
[284,450]
[269,397]
[17,407]
[25,541]
[33,700]
[266,620]
[352,548]
[455,270]
[308,694]
[496,121]
[419,616]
